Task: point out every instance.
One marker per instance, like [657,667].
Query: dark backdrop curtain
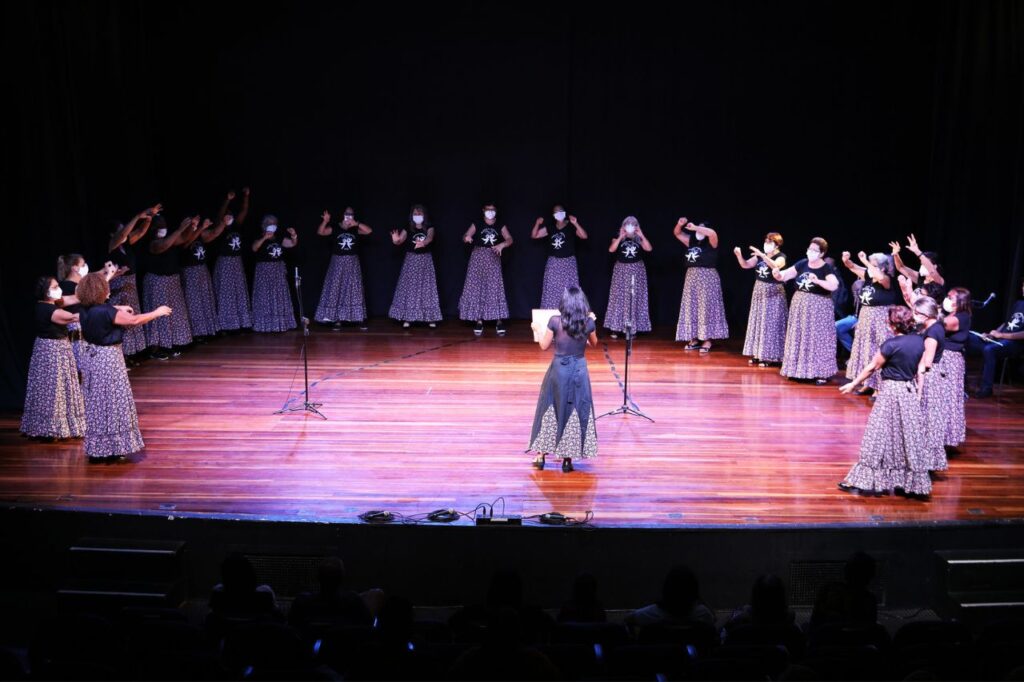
[856,121]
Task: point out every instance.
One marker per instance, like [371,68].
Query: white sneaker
[405,325]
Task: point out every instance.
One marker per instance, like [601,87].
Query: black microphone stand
[630,333]
[307,406]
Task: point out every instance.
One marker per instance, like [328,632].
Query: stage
[423,419]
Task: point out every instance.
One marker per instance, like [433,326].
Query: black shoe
[538,462]
[336,327]
[566,465]
[499,329]
[478,330]
[161,354]
[821,382]
[363,326]
[983,393]
[843,485]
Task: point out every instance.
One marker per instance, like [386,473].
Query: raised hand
[912,245]
[538,222]
[863,257]
[739,252]
[572,221]
[846,256]
[206,223]
[185,223]
[681,222]
[245,191]
[325,217]
[292,233]
[231,196]
[194,222]
[895,246]
[394,236]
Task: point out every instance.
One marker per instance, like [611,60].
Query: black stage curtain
[857,121]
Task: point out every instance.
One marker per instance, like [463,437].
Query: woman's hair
[93,289]
[885,263]
[574,310]
[901,319]
[630,219]
[774,238]
[962,298]
[926,305]
[768,599]
[42,288]
[821,244]
[66,263]
[422,209]
[268,219]
[680,591]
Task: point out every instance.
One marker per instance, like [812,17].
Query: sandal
[692,346]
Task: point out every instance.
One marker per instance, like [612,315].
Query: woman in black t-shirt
[769,309]
[893,452]
[564,421]
[878,293]
[415,298]
[342,298]
[112,423]
[53,396]
[272,309]
[957,323]
[627,295]
[1005,341]
[560,271]
[162,287]
[229,282]
[810,351]
[701,310]
[932,380]
[71,268]
[483,294]
[124,287]
[926,280]
[196,280]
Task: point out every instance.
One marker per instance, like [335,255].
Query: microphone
[989,299]
[297,280]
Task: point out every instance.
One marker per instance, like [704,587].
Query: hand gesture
[847,389]
[325,217]
[863,257]
[534,326]
[394,236]
[895,246]
[996,334]
[467,238]
[739,252]
[185,223]
[912,245]
[846,256]
[538,222]
[682,221]
[231,195]
[592,315]
[163,311]
[194,222]
[498,248]
[206,223]
[572,221]
[153,211]
[292,233]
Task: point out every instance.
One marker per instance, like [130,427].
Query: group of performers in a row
[800,335]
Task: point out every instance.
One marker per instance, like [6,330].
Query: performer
[957,323]
[934,385]
[162,287]
[627,294]
[112,423]
[701,310]
[272,309]
[810,350]
[195,279]
[415,297]
[1005,341]
[342,298]
[564,421]
[483,294]
[124,287]
[769,310]
[876,295]
[229,283]
[53,396]
[70,271]
[928,279]
[893,453]
[560,271]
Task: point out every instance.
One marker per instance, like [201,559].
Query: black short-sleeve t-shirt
[1015,320]
[272,251]
[345,242]
[46,328]
[487,235]
[98,326]
[629,251]
[565,344]
[231,244]
[701,254]
[196,253]
[955,342]
[416,234]
[902,354]
[562,243]
[938,334]
[804,271]
[873,294]
[763,269]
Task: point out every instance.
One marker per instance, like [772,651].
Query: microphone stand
[630,333]
[307,406]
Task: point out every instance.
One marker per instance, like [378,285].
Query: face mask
[947,305]
[923,271]
[490,214]
[55,293]
[228,220]
[418,219]
[699,236]
[161,233]
[630,228]
[560,215]
[271,228]
[83,270]
[768,247]
[920,319]
[349,218]
[813,255]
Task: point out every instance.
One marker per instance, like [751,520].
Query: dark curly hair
[901,319]
[93,289]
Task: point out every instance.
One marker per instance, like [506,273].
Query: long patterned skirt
[624,275]
[893,452]
[342,299]
[173,330]
[416,292]
[810,351]
[483,294]
[564,422]
[124,290]
[935,405]
[559,275]
[53,396]
[232,293]
[871,331]
[701,309]
[766,323]
[952,365]
[202,310]
[272,309]
[112,424]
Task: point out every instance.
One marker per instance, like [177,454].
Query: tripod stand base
[626,410]
[305,407]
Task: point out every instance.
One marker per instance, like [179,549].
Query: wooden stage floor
[430,419]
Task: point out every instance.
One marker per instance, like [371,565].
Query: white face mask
[560,215]
[923,271]
[228,220]
[630,228]
[490,214]
[83,270]
[813,255]
[161,233]
[348,219]
[271,228]
[947,305]
[698,235]
[55,293]
[768,247]
[418,219]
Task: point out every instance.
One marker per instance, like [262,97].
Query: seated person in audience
[332,603]
[680,603]
[1005,341]
[238,596]
[583,606]
[767,605]
[504,654]
[505,592]
[849,601]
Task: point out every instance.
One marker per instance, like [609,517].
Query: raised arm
[292,240]
[126,319]
[121,236]
[223,210]
[398,237]
[324,229]
[926,262]
[174,238]
[709,233]
[901,267]
[907,289]
[745,263]
[63,317]
[777,262]
[784,275]
[217,230]
[681,234]
[195,233]
[538,231]
[580,232]
[243,213]
[616,240]
[853,267]
[874,272]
